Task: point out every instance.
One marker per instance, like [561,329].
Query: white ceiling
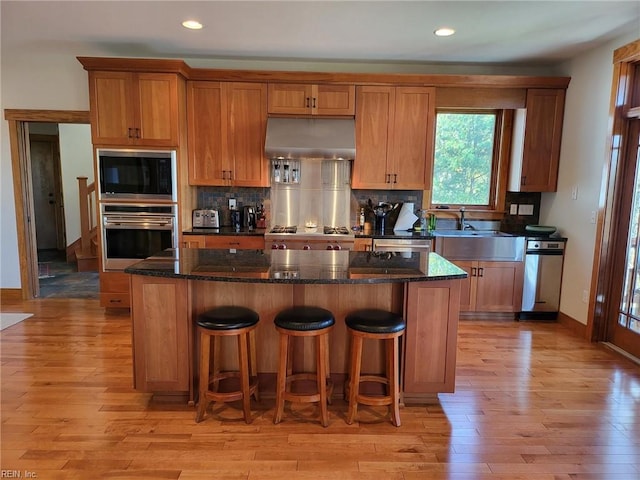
[503,33]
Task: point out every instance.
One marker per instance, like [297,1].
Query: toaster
[205,219]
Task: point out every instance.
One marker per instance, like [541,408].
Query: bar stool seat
[375,324]
[214,324]
[304,321]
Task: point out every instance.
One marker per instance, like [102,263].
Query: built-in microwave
[128,174]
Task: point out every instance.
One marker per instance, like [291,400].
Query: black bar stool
[304,321]
[214,324]
[377,325]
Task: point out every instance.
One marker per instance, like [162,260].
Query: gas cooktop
[305,231]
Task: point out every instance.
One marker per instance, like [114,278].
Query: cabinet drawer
[239,242]
[114,300]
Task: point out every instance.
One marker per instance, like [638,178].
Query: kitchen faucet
[463,224]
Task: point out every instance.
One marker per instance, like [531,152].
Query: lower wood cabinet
[162,346]
[362,244]
[114,290]
[431,338]
[491,286]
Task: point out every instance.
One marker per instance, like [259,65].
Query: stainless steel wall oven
[133,232]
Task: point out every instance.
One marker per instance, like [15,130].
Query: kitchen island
[170,289]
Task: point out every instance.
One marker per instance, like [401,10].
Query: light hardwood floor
[532,401]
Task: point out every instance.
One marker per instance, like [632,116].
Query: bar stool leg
[322,378]
[281,382]
[392,375]
[253,365]
[244,376]
[203,402]
[354,381]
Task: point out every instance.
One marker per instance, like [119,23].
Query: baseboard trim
[579,329]
[622,352]
[10,295]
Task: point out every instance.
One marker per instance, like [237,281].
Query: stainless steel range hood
[319,138]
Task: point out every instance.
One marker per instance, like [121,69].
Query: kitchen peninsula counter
[170,289]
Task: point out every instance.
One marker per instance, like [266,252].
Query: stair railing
[87,199]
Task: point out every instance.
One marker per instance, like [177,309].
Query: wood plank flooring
[532,401]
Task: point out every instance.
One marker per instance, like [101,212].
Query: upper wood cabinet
[394,137]
[536,142]
[308,99]
[227,124]
[134,108]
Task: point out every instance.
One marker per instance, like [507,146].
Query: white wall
[76,156]
[583,155]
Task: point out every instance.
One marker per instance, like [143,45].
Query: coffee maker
[249,218]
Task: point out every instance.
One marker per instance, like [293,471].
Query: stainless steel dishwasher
[543,263]
[401,244]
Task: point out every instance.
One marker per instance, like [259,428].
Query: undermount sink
[470,233]
[479,245]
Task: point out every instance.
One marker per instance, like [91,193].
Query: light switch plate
[525,209]
[514,209]
[232,204]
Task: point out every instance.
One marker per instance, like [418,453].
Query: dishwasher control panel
[544,245]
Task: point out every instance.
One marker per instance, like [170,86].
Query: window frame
[499,160]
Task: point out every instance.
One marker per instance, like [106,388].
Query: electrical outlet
[592,219]
[585,296]
[525,209]
[514,209]
[232,204]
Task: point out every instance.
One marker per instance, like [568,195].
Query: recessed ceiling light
[192,24]
[444,32]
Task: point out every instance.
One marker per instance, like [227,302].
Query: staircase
[86,247]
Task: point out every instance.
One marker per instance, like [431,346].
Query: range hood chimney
[314,138]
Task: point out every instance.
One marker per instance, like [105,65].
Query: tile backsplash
[217,198]
[522,208]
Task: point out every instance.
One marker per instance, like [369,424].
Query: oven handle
[124,223]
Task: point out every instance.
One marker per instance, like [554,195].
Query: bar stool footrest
[233,395]
[306,397]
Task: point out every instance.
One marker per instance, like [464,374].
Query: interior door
[623,329]
[47,192]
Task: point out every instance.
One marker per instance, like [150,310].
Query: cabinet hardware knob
[129,132]
[395,178]
[387,178]
[137,133]
[314,102]
[474,272]
[307,102]
[481,272]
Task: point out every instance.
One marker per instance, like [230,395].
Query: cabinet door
[333,100]
[374,117]
[362,245]
[247,128]
[207,133]
[111,98]
[543,132]
[431,337]
[160,316]
[467,285]
[499,286]
[156,109]
[412,136]
[289,98]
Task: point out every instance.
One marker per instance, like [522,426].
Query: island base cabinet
[162,349]
[432,310]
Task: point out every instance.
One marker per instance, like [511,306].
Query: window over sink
[467,158]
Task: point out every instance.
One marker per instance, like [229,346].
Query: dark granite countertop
[297,266]
[396,234]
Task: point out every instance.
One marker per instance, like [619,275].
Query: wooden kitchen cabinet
[536,142]
[362,245]
[227,124]
[311,99]
[114,290]
[239,242]
[491,286]
[430,339]
[394,137]
[162,349]
[130,108]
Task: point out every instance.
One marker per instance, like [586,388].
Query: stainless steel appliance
[401,245]
[205,219]
[249,217]
[132,232]
[543,263]
[328,238]
[129,174]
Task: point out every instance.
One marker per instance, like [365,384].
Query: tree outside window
[463,171]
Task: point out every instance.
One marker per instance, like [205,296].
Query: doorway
[33,242]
